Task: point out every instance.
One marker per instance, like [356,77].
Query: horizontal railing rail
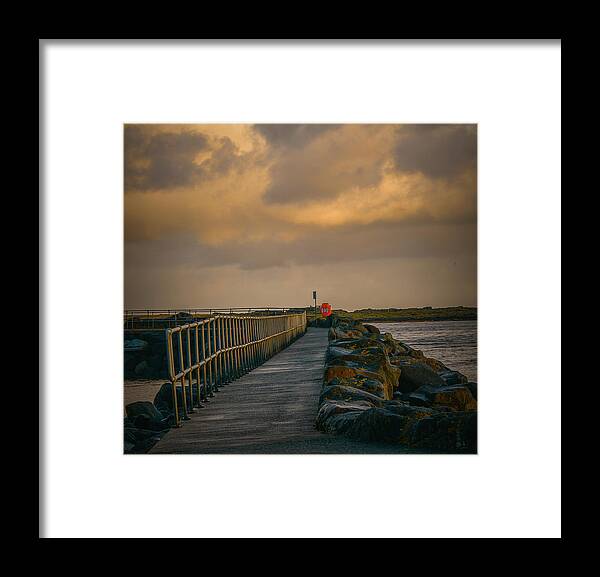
[141,319]
[204,355]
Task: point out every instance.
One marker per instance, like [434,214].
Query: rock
[142,369]
[415,353]
[453,377]
[416,374]
[418,399]
[158,348]
[473,388]
[336,416]
[157,363]
[379,389]
[135,345]
[377,424]
[143,408]
[129,439]
[436,365]
[444,432]
[163,400]
[139,440]
[342,393]
[455,397]
[394,347]
[144,415]
[371,354]
[387,376]
[360,343]
[406,410]
[320,322]
[343,333]
[130,364]
[145,422]
[359,382]
[370,362]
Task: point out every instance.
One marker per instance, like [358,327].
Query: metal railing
[205,355]
[158,319]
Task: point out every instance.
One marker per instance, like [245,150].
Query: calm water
[452,342]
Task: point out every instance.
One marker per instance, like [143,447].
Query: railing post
[197,363]
[231,375]
[188,334]
[204,387]
[210,362]
[239,343]
[234,352]
[245,327]
[216,354]
[181,366]
[222,367]
[171,362]
[225,347]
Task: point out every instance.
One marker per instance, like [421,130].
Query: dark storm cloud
[319,161]
[159,161]
[321,247]
[292,135]
[438,151]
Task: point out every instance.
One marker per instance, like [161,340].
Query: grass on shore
[404,315]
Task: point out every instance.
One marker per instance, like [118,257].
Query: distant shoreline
[404,320]
[426,314]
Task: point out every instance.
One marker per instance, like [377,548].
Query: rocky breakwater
[147,422]
[377,388]
[145,355]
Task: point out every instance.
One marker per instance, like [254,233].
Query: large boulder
[377,424]
[164,399]
[444,432]
[145,422]
[374,366]
[144,415]
[360,382]
[131,345]
[415,374]
[372,329]
[453,377]
[146,408]
[407,410]
[473,388]
[344,332]
[142,369]
[434,364]
[139,440]
[349,394]
[455,397]
[337,416]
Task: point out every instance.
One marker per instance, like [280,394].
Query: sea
[452,342]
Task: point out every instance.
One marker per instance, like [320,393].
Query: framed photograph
[381,218]
[279,276]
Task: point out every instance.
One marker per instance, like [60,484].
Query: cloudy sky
[233,215]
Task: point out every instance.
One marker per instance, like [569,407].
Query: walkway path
[272,409]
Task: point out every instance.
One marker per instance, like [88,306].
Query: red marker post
[325,309]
